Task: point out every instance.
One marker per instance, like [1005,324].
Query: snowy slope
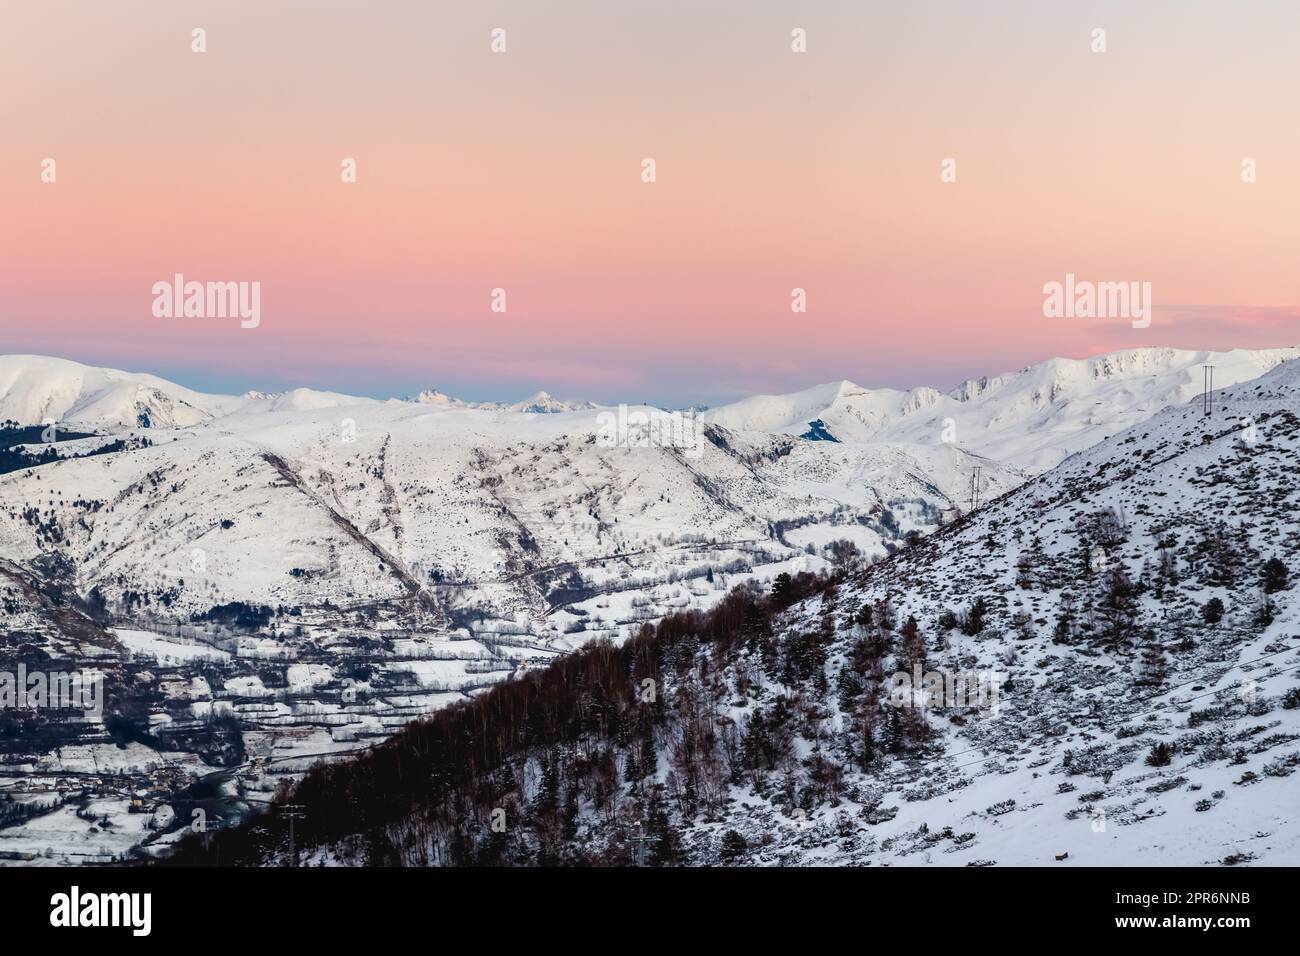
[1059,776]
[35,389]
[460,511]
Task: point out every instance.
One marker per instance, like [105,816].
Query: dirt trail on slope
[417,591]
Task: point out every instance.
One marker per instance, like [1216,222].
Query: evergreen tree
[649,758]
[866,747]
[632,768]
[783,593]
[805,656]
[571,814]
[891,736]
[821,685]
[548,790]
[757,628]
[1275,576]
[665,849]
[848,685]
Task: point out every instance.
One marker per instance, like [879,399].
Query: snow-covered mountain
[1027,421]
[500,513]
[316,569]
[540,403]
[520,518]
[298,575]
[432,396]
[1100,668]
[36,389]
[1030,419]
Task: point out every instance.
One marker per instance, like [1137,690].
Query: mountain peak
[431,396]
[543,403]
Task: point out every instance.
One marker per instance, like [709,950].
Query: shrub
[733,845]
[1212,613]
[1161,755]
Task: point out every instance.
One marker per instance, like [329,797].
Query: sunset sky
[522,170]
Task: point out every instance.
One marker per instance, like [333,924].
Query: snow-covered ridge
[1028,420]
[540,403]
[35,389]
[1031,419]
[492,498]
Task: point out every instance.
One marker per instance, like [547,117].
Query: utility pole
[1207,384]
[293,811]
[975,488]
[640,838]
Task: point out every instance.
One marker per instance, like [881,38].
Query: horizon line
[410,396]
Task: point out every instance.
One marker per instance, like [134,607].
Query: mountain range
[1100,668]
[271,578]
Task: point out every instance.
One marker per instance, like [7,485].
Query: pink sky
[521,170]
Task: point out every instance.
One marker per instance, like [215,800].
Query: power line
[294,811]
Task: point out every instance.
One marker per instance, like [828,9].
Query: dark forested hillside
[513,776]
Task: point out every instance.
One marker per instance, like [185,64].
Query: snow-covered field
[166,651]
